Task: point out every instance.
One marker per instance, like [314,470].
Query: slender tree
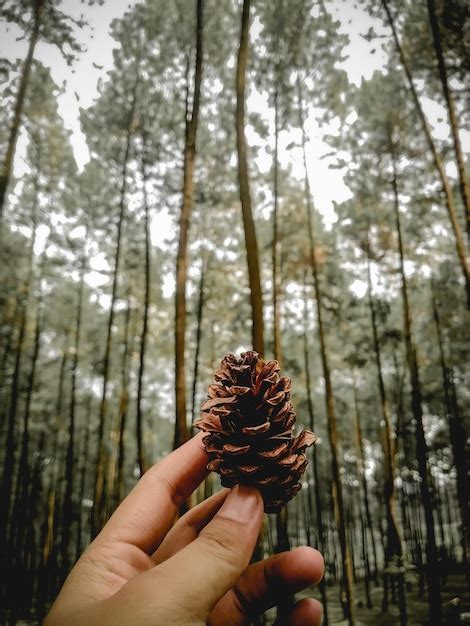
[393,547]
[100,469]
[433,579]
[118,478]
[276,282]
[144,333]
[83,474]
[40,20]
[21,505]
[339,510]
[189,157]
[9,458]
[449,98]
[282,518]
[316,478]
[457,434]
[438,162]
[68,509]
[199,320]
[251,244]
[5,172]
[362,473]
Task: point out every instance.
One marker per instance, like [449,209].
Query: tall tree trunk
[9,459]
[329,398]
[363,479]
[276,279]
[251,244]
[143,336]
[123,405]
[393,545]
[49,563]
[21,505]
[181,427]
[199,318]
[67,509]
[283,543]
[316,478]
[365,558]
[83,475]
[434,586]
[446,187]
[464,187]
[35,499]
[99,475]
[46,539]
[458,438]
[7,164]
[9,316]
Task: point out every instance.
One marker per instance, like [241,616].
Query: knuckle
[220,541]
[156,477]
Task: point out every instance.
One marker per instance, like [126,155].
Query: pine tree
[189,154]
[251,244]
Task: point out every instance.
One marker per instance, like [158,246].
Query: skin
[144,569]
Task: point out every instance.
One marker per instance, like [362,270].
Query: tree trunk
[394,542]
[199,318]
[403,453]
[123,406]
[251,244]
[283,543]
[99,475]
[276,279]
[393,552]
[434,586]
[363,479]
[67,510]
[365,558]
[143,336]
[181,427]
[9,460]
[21,505]
[464,188]
[7,164]
[8,320]
[446,187]
[83,474]
[49,567]
[458,438]
[329,398]
[317,494]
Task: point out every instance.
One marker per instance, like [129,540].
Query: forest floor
[455,598]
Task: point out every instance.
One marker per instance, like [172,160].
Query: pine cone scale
[255,430]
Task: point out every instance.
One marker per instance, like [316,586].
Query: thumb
[208,567]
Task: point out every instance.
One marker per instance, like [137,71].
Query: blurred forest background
[243,185]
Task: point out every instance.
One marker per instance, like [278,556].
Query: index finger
[144,517]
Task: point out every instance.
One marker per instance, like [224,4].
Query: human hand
[142,570]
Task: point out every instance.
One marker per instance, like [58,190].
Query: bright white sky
[80,89]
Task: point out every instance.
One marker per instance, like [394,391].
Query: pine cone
[249,420]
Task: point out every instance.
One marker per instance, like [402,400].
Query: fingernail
[241,505]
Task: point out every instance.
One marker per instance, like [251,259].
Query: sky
[80,85]
[80,82]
